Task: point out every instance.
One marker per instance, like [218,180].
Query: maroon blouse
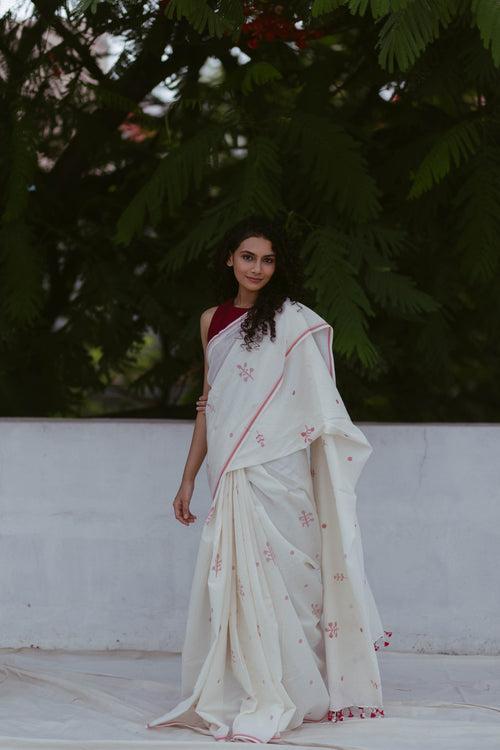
[224,314]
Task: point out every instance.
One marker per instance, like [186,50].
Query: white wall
[91,556]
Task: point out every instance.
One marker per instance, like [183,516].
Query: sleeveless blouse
[224,314]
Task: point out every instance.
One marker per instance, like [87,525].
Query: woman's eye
[249,257]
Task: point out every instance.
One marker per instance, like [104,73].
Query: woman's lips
[254,280]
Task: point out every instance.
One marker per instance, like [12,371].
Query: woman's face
[254,262]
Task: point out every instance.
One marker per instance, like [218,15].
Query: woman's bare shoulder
[205,320]
[207,315]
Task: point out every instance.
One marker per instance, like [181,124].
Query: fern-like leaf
[393,290]
[487,14]
[477,203]
[333,163]
[83,5]
[455,146]
[261,180]
[208,230]
[406,32]
[113,100]
[218,21]
[320,7]
[340,296]
[177,173]
[258,74]
[378,8]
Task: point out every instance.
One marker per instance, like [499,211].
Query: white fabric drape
[282,624]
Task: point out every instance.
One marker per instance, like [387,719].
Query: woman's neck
[245,301]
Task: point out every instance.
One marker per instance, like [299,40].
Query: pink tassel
[339,715]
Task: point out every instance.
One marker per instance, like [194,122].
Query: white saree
[282,625]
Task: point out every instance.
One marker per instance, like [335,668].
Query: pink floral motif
[217,566]
[316,610]
[269,553]
[307,434]
[305,518]
[260,439]
[245,371]
[374,683]
[313,473]
[332,629]
[241,590]
[233,656]
[339,577]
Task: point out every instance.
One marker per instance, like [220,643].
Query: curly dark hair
[286,281]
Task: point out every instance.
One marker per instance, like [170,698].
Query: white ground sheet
[91,700]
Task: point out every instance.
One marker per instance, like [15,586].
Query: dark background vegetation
[133,134]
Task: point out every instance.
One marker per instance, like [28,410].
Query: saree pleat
[259,555]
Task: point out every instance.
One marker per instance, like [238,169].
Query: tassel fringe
[361,712]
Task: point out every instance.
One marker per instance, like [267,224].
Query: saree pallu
[282,625]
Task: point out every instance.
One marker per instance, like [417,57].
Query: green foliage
[487,18]
[20,268]
[178,172]
[84,5]
[209,229]
[226,18]
[340,295]
[477,206]
[116,187]
[334,166]
[410,28]
[320,7]
[257,74]
[455,146]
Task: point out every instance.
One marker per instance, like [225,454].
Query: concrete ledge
[91,556]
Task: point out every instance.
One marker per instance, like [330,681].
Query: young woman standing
[282,625]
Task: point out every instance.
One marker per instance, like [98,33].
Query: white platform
[101,700]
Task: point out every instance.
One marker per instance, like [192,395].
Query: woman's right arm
[198,447]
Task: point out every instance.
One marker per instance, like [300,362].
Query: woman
[282,626]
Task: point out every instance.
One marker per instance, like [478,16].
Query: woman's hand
[201,403]
[181,503]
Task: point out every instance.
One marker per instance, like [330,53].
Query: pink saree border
[224,330]
[312,329]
